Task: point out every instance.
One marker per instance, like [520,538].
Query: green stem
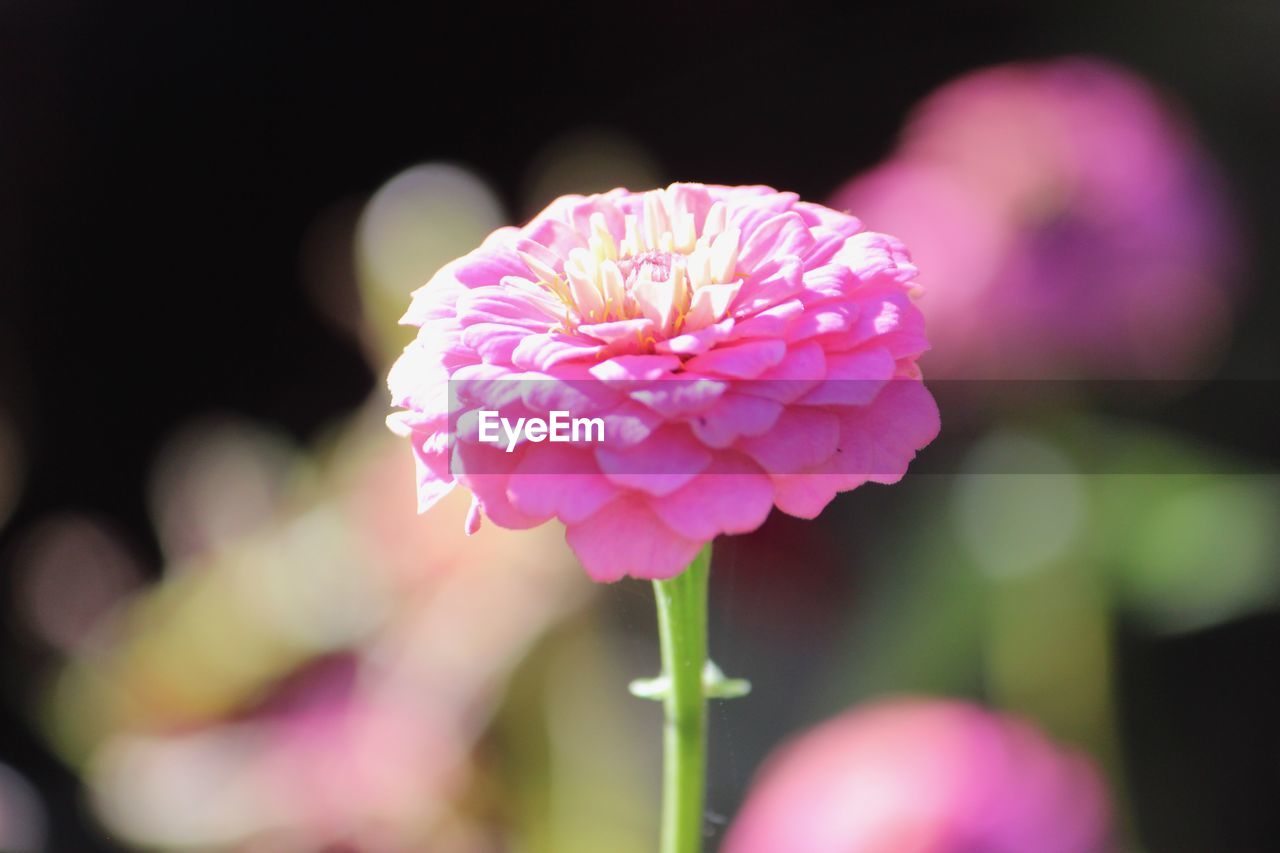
[682,632]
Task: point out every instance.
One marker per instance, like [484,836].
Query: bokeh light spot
[1019,506]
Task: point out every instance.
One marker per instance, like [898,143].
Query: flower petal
[803,438]
[783,236]
[662,463]
[633,368]
[562,481]
[743,361]
[626,538]
[731,496]
[543,352]
[853,378]
[879,441]
[735,415]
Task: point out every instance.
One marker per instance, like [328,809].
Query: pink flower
[927,777]
[743,349]
[327,761]
[1082,230]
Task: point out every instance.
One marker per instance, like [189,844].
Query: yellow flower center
[664,270]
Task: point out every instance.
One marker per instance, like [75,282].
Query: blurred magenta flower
[1074,225]
[325,760]
[739,344]
[923,776]
[318,682]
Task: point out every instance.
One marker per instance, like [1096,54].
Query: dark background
[160,163]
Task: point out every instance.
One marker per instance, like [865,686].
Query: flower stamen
[657,271]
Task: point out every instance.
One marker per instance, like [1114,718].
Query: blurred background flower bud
[924,776]
[1066,223]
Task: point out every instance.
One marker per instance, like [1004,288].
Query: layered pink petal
[743,361]
[742,351]
[560,481]
[627,538]
[668,459]
[733,495]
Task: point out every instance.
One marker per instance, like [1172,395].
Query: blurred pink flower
[327,760]
[334,754]
[1075,227]
[739,344]
[922,776]
[320,681]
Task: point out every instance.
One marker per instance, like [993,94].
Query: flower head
[743,350]
[1082,229]
[926,776]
